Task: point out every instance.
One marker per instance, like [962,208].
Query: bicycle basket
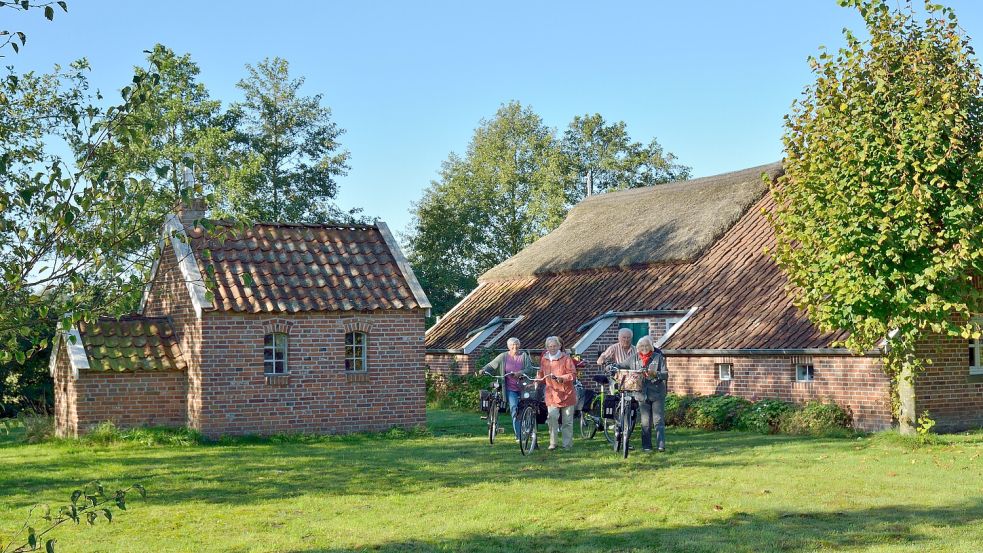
[531,390]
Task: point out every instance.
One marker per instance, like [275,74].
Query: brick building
[686,264]
[325,335]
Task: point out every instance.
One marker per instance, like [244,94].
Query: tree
[66,234]
[297,145]
[506,192]
[177,126]
[603,157]
[879,217]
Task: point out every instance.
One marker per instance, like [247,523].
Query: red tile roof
[131,343]
[739,289]
[301,268]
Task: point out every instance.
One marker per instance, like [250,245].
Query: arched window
[356,351]
[275,353]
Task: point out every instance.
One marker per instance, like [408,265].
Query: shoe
[551,448]
[662,449]
[517,440]
[646,450]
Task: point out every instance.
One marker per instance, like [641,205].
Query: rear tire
[527,429]
[492,421]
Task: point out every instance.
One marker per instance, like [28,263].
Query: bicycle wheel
[627,425]
[527,429]
[492,421]
[588,425]
[607,425]
[618,430]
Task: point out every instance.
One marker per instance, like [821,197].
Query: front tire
[527,430]
[492,421]
[627,425]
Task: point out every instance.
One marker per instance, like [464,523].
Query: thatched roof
[660,224]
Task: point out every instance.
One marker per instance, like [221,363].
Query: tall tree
[506,192]
[603,157]
[178,125]
[297,144]
[880,211]
[66,234]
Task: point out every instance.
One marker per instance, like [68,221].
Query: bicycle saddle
[601,379]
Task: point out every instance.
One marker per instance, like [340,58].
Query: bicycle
[493,403]
[625,414]
[532,412]
[595,415]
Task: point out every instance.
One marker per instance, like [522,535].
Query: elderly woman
[619,352]
[557,369]
[511,364]
[649,389]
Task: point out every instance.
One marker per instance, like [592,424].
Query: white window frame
[671,322]
[805,375]
[725,376]
[271,365]
[362,357]
[976,351]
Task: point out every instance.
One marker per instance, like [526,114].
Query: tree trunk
[907,415]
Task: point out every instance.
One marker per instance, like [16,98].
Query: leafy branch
[88,504]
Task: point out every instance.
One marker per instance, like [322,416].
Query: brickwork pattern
[952,397]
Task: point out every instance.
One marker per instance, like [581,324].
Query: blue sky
[410,81]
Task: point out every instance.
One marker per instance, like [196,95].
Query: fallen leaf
[718,508]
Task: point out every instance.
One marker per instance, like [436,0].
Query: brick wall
[66,407]
[126,398]
[952,396]
[316,395]
[855,382]
[169,297]
[449,363]
[156,398]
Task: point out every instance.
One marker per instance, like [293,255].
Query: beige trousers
[552,420]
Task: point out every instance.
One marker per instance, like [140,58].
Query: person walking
[511,364]
[559,372]
[648,388]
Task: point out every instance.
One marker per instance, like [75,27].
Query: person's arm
[498,363]
[569,372]
[605,355]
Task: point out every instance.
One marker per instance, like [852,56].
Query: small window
[976,357]
[804,372]
[671,322]
[356,350]
[275,354]
[725,371]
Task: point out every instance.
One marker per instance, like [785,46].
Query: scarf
[645,358]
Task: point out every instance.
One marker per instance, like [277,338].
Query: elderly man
[620,352]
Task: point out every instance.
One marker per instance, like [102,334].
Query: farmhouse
[686,264]
[325,336]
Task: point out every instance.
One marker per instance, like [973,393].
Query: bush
[764,416]
[455,392]
[715,412]
[817,419]
[676,408]
[38,427]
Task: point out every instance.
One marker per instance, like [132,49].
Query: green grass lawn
[713,491]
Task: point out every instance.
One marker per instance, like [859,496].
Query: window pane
[268,340]
[268,367]
[349,351]
[268,354]
[359,338]
[349,338]
[357,364]
[972,353]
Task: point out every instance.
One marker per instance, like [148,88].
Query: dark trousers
[652,413]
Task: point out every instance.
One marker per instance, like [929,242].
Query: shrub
[817,419]
[677,407]
[38,427]
[764,416]
[715,412]
[455,392]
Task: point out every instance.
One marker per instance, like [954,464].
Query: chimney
[190,212]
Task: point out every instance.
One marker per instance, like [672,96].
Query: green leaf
[49,546]
[49,13]
[32,537]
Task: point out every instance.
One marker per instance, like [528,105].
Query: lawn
[713,491]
